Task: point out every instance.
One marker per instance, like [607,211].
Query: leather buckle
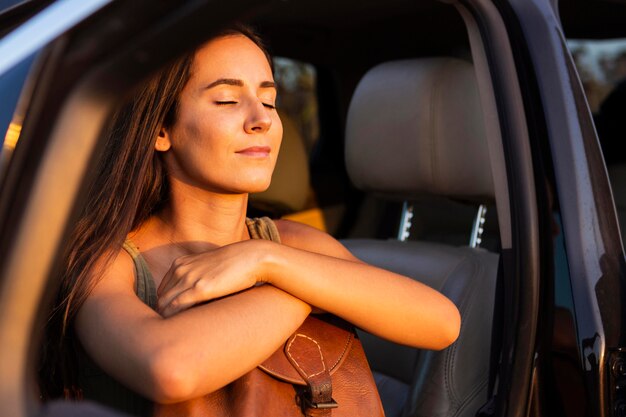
[310,404]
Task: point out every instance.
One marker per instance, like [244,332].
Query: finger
[185,282]
[171,309]
[172,277]
[165,283]
[167,296]
[186,299]
[166,299]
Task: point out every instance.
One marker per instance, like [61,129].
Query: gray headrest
[415,127]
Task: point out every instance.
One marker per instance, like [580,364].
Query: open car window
[12,84]
[601,65]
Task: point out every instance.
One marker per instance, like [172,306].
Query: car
[449,140]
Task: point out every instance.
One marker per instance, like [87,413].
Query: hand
[202,277]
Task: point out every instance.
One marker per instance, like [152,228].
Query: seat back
[415,128]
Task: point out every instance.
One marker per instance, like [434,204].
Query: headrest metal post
[405,222]
[479,227]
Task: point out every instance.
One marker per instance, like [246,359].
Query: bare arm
[384,303]
[317,269]
[187,355]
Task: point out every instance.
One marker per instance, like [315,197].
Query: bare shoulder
[114,275]
[302,236]
[114,270]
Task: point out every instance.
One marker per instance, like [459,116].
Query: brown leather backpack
[320,372]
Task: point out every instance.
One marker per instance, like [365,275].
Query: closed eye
[224,103]
[269,106]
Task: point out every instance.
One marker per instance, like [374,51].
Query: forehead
[231,56]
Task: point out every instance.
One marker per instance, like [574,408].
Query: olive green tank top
[100,387]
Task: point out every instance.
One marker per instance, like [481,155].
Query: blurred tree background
[601,67]
[297,97]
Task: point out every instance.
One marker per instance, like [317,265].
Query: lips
[257,151]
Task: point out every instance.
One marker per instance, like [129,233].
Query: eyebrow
[238,83]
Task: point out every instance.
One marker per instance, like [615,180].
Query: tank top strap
[259,228]
[144,283]
[263,228]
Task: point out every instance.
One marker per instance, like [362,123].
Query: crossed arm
[186,352]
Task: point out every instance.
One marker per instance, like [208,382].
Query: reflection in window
[297,98]
[602,69]
[601,66]
[11,83]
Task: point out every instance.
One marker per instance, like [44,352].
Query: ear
[163,143]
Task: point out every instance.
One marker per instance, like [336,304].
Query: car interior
[421,201]
[398,167]
[425,158]
[425,154]
[408,103]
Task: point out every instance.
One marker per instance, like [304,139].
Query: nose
[259,119]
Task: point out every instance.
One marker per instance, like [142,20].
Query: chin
[255,183]
[251,187]
[258,188]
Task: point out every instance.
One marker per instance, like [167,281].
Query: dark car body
[559,335]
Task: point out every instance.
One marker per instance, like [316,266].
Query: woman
[172,191]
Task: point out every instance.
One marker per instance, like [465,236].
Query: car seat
[414,128]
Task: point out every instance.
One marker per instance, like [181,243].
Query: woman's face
[227,133]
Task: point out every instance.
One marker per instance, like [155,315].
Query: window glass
[601,66]
[602,69]
[297,97]
[5,4]
[11,84]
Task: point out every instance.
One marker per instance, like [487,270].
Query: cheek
[276,138]
[191,146]
[187,126]
[278,133]
[190,130]
[199,131]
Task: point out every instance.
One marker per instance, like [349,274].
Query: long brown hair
[130,186]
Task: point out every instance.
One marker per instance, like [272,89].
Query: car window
[11,85]
[5,4]
[601,65]
[297,98]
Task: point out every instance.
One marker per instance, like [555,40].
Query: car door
[586,294]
